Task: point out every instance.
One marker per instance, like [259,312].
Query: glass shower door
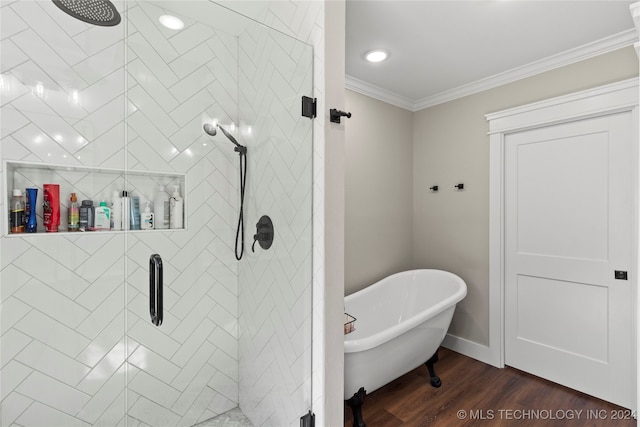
[275,284]
[230,327]
[182,370]
[62,293]
[98,110]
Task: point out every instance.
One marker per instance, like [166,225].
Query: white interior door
[569,317]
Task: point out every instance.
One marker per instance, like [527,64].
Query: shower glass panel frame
[99,109]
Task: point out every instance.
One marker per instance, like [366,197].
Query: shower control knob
[264,233]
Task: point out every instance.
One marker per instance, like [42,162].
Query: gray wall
[449,145]
[378,191]
[451,229]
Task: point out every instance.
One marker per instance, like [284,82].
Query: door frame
[603,100]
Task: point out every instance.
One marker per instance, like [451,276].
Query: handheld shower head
[229,136]
[211,130]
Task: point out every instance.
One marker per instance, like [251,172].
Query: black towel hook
[334,115]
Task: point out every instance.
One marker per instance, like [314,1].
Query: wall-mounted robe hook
[334,115]
[459,186]
[434,188]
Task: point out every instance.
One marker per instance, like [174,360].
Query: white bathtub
[401,321]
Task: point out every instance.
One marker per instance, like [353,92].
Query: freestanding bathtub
[401,322]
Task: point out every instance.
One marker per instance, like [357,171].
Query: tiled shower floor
[232,418]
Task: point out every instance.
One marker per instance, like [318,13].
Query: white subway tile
[12,406]
[53,393]
[52,363]
[39,414]
[155,364]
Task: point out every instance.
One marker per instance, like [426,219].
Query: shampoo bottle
[102,217]
[146,222]
[87,215]
[161,209]
[116,211]
[51,207]
[30,210]
[125,204]
[177,204]
[134,203]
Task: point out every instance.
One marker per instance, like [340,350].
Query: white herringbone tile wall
[75,334]
[275,285]
[305,20]
[63,318]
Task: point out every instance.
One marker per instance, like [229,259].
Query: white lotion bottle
[161,209]
[177,205]
[116,211]
[146,222]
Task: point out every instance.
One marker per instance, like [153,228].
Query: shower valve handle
[264,233]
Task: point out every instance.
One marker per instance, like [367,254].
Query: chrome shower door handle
[155,289]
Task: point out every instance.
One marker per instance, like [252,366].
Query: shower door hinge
[309,107]
[308,420]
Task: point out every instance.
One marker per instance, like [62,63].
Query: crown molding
[635,14]
[581,53]
[378,93]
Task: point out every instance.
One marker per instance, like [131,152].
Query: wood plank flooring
[476,394]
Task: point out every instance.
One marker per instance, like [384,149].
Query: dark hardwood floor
[476,394]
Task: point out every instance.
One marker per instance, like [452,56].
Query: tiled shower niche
[89,183]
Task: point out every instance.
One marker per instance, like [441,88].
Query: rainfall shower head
[211,130]
[96,12]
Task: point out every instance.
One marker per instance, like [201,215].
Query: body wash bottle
[176,202]
[125,204]
[116,211]
[102,217]
[161,209]
[146,221]
[134,203]
[87,215]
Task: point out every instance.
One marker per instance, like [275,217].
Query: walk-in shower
[116,112]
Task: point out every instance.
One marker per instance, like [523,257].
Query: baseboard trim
[471,349]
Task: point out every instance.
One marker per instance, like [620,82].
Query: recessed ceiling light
[377,55]
[171,22]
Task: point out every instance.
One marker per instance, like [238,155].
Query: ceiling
[442,50]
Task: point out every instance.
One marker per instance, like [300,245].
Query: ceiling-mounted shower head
[211,130]
[96,12]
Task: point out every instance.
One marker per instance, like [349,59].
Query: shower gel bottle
[125,208]
[146,220]
[102,217]
[116,211]
[176,203]
[161,209]
[134,218]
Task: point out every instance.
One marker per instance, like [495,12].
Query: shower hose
[240,229]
